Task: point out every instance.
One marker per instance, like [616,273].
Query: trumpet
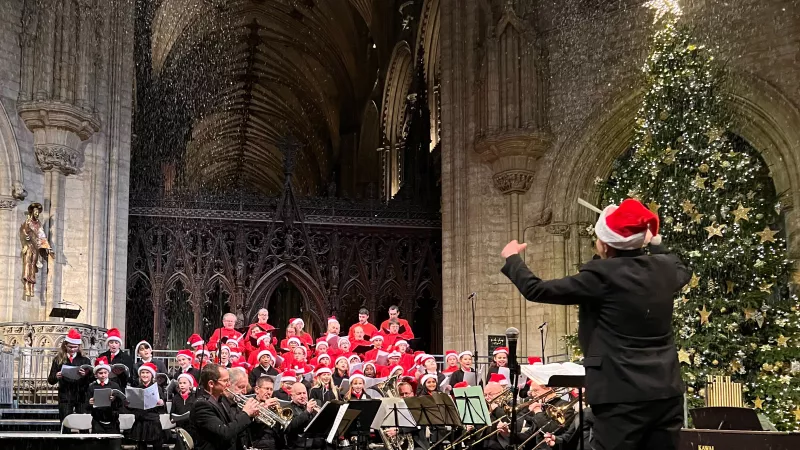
[267,416]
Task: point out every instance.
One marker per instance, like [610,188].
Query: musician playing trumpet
[218,426]
[303,411]
[262,436]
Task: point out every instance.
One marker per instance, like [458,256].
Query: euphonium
[267,416]
[389,387]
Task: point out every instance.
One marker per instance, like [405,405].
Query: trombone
[556,414]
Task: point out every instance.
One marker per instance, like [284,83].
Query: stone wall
[593,53]
[85,215]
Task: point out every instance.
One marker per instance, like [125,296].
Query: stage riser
[738,440]
[58,442]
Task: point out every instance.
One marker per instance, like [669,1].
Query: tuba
[267,416]
[388,388]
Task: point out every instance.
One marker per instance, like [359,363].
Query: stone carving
[7,203]
[559,229]
[34,244]
[584,229]
[59,157]
[513,181]
[18,191]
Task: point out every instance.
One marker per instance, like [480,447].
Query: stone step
[28,413]
[17,425]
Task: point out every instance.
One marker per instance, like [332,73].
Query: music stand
[64,313]
[726,418]
[360,428]
[572,381]
[393,413]
[329,420]
[426,412]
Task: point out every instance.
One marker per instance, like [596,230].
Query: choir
[240,391]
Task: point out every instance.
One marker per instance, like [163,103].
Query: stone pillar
[59,130]
[513,156]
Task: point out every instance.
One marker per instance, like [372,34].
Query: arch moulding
[762,115]
[313,297]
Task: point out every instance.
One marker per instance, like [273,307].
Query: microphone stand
[512,336]
[541,334]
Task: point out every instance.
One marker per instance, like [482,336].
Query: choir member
[305,338]
[428,384]
[341,371]
[115,355]
[218,427]
[145,352]
[146,428]
[333,327]
[377,344]
[357,383]
[71,393]
[393,335]
[429,367]
[368,329]
[262,318]
[105,420]
[227,331]
[224,356]
[465,361]
[370,370]
[185,360]
[195,342]
[450,362]
[183,402]
[499,359]
[265,366]
[321,347]
[324,389]
[290,333]
[288,379]
[405,328]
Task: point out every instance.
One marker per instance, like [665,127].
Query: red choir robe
[405,328]
[219,333]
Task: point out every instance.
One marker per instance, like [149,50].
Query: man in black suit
[626,301]
[217,426]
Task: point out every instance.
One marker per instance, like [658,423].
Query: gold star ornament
[714,230]
[688,207]
[767,235]
[695,281]
[758,403]
[730,285]
[740,213]
[699,182]
[683,356]
[653,207]
[719,184]
[704,315]
[783,341]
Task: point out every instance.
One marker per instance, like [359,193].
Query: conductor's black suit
[632,371]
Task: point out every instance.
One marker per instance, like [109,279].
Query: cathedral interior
[313,157]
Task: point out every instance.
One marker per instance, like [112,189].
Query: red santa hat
[232,344]
[263,350]
[73,337]
[370,363]
[101,363]
[534,359]
[394,354]
[241,365]
[342,340]
[298,321]
[189,378]
[332,319]
[625,227]
[357,374]
[114,335]
[424,358]
[340,358]
[450,353]
[400,342]
[376,337]
[186,353]
[499,350]
[195,341]
[464,353]
[323,355]
[288,376]
[461,384]
[299,370]
[202,352]
[322,341]
[352,357]
[294,339]
[261,336]
[322,369]
[150,367]
[498,378]
[395,368]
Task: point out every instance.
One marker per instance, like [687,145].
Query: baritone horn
[267,416]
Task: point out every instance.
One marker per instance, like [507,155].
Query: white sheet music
[386,414]
[541,373]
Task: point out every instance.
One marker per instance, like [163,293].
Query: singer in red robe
[405,329]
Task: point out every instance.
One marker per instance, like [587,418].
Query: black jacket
[71,391]
[124,379]
[217,427]
[625,318]
[180,407]
[321,394]
[266,437]
[106,414]
[294,432]
[258,371]
[172,387]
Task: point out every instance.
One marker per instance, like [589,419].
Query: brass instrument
[399,441]
[558,413]
[388,388]
[267,416]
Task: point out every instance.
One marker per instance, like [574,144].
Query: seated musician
[303,411]
[357,383]
[265,366]
[324,390]
[571,434]
[183,402]
[367,328]
[217,426]
[421,442]
[262,436]
[288,379]
[227,331]
[465,362]
[450,362]
[405,328]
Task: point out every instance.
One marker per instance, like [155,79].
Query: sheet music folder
[367,409]
[65,313]
[568,381]
[331,421]
[725,418]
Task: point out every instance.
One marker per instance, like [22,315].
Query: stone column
[513,156]
[59,130]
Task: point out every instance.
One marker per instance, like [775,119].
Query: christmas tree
[720,213]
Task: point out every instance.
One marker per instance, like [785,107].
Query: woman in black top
[324,390]
[147,423]
[341,371]
[71,392]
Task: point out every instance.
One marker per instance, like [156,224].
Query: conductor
[626,301]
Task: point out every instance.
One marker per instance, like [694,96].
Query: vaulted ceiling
[255,71]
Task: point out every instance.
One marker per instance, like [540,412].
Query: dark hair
[209,373]
[394,322]
[364,311]
[261,381]
[394,307]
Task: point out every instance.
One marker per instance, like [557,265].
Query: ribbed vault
[253,72]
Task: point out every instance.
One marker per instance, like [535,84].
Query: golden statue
[34,243]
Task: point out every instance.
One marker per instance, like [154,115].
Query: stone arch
[762,115]
[428,43]
[313,297]
[398,82]
[10,161]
